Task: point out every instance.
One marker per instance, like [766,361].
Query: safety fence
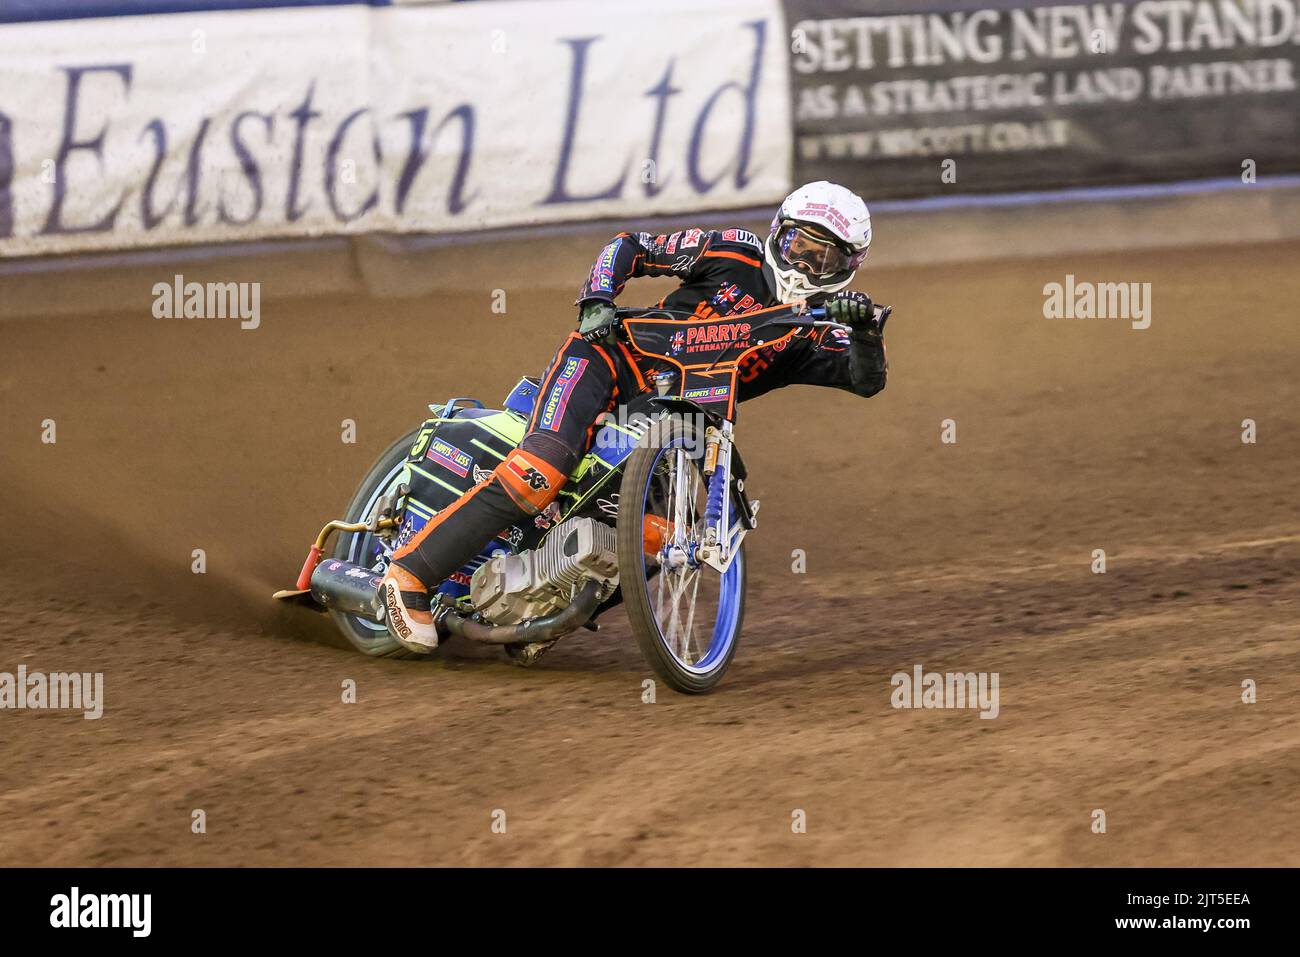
[128,124]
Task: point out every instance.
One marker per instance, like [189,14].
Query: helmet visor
[813,254]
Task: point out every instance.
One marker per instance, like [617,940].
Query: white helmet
[819,238]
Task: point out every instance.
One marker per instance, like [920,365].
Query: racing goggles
[814,255]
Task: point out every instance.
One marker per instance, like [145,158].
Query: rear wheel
[685,615]
[372,551]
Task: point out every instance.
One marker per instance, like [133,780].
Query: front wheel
[685,615]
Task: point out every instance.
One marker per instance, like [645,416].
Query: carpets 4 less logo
[448,456]
[558,399]
[717,393]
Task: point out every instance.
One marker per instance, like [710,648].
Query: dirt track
[1118,691]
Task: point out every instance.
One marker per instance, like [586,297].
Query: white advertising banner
[214,127]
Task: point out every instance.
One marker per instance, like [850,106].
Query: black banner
[909,98]
[930,910]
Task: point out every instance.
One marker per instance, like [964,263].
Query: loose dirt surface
[1119,691]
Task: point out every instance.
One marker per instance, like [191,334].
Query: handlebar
[800,317]
[647,312]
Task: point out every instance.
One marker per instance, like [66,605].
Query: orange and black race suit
[721,273]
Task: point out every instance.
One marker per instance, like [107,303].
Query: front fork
[721,541]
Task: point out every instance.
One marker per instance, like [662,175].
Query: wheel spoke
[674,630]
[690,619]
[681,635]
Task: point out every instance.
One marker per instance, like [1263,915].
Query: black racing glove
[855,310]
[596,321]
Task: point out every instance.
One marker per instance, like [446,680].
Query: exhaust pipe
[569,618]
[343,586]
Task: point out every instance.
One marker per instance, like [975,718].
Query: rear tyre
[686,617]
[372,551]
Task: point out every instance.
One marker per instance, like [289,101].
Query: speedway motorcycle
[654,516]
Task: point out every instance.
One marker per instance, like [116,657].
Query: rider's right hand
[596,321]
[855,310]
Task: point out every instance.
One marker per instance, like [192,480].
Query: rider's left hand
[854,309]
[596,321]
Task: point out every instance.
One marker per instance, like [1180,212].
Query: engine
[507,589]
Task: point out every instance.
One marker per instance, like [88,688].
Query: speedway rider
[818,239]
